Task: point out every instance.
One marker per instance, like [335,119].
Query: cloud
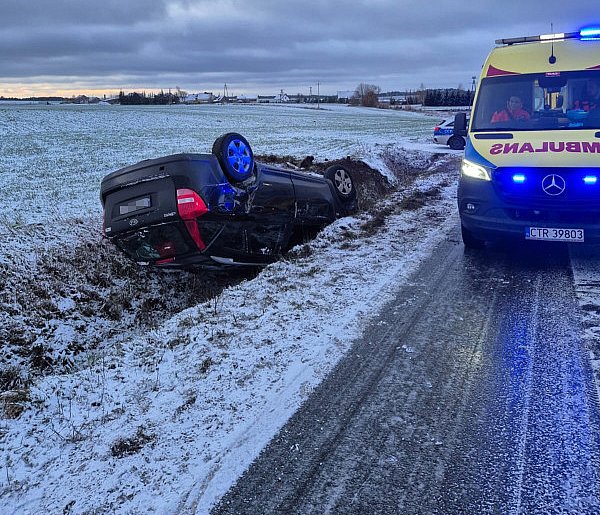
[65,13]
[257,44]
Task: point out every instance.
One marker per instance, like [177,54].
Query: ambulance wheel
[469,240]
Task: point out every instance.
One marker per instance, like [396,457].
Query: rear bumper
[170,245]
[492,218]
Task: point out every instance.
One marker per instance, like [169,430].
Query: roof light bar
[585,34]
[549,37]
[543,37]
[590,33]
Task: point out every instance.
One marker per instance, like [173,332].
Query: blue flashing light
[519,178]
[590,179]
[589,33]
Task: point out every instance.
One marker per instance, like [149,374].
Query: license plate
[134,205]
[554,234]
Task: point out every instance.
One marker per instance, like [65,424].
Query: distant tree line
[35,99]
[448,97]
[366,95]
[314,99]
[136,98]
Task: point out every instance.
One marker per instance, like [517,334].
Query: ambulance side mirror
[460,124]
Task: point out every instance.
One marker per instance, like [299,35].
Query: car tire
[456,142]
[342,182]
[235,156]
[470,241]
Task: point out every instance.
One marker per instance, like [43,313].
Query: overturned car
[219,209]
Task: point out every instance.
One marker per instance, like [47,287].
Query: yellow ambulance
[531,168]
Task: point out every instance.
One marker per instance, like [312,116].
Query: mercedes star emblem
[553,184]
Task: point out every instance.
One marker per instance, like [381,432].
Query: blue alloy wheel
[235,156]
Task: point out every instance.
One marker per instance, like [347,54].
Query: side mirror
[460,124]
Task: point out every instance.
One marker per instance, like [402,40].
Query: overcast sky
[261,46]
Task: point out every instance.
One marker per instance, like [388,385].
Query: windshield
[539,101]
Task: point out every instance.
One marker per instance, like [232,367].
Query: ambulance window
[549,96]
[493,99]
[557,101]
[577,90]
[538,97]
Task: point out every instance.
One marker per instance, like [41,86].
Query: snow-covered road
[471,392]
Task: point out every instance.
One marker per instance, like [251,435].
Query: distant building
[83,99]
[282,97]
[200,98]
[247,99]
[274,99]
[345,96]
[393,99]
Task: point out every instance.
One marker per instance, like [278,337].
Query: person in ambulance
[513,111]
[591,100]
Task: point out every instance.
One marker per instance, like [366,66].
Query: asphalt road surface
[472,393]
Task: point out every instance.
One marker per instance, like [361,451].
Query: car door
[271,207]
[315,204]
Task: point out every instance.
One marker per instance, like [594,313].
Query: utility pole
[318,95]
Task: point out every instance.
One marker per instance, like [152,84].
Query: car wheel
[342,181]
[235,156]
[469,240]
[456,143]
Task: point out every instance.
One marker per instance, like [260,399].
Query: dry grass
[89,292]
[127,446]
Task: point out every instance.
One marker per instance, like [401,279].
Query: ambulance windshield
[540,101]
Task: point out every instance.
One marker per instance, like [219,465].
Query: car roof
[451,120]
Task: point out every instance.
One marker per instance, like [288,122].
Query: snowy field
[153,395]
[52,158]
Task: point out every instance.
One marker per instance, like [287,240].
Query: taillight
[190,205]
[436,129]
[165,261]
